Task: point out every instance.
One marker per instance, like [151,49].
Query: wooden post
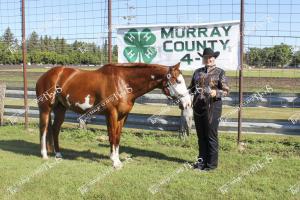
[109,33]
[241,73]
[24,52]
[2,96]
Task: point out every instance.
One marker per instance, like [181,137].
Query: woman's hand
[213,93]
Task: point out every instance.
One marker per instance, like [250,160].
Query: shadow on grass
[28,148]
[135,152]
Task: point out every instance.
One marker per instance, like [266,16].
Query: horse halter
[169,89]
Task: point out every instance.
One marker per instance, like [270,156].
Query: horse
[186,120]
[110,90]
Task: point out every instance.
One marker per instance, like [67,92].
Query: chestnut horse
[114,87]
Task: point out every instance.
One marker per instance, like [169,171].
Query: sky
[268,22]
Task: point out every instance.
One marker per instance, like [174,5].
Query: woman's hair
[204,58]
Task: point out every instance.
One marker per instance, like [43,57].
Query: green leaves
[139,46]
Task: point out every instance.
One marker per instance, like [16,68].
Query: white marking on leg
[115,157]
[117,151]
[112,154]
[44,148]
[86,103]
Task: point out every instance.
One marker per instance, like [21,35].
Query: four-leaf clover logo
[139,45]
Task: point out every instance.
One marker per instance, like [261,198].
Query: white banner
[170,44]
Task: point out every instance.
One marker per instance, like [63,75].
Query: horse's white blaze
[181,89]
[86,103]
[67,99]
[44,148]
[115,157]
[152,77]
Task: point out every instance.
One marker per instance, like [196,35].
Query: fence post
[2,96]
[241,73]
[109,32]
[24,52]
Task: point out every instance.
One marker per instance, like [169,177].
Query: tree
[42,44]
[63,46]
[254,57]
[277,56]
[56,44]
[44,49]
[9,48]
[267,55]
[35,57]
[8,37]
[46,43]
[296,59]
[75,45]
[282,55]
[33,42]
[115,53]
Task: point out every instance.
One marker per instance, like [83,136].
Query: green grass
[157,159]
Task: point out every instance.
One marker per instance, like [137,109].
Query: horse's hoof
[58,155]
[45,157]
[118,165]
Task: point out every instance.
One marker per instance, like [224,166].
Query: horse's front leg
[114,156]
[114,127]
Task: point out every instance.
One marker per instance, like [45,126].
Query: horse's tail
[46,90]
[47,84]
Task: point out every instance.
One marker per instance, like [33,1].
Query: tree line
[278,56]
[48,50]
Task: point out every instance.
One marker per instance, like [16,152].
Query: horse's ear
[176,67]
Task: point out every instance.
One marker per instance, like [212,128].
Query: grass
[157,159]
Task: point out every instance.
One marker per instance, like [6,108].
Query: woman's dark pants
[207,122]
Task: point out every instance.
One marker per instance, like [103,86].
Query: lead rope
[209,99]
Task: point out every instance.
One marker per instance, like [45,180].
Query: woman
[208,85]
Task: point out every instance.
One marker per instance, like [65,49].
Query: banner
[170,44]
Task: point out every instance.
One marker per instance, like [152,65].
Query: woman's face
[209,60]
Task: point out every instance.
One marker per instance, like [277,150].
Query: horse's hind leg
[59,116]
[49,137]
[114,126]
[44,122]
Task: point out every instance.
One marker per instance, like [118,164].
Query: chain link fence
[76,33]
